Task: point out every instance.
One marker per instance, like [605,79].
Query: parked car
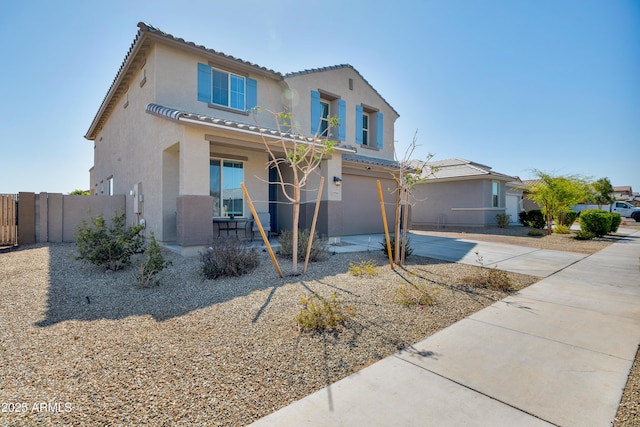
[625,209]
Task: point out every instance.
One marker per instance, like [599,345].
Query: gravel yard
[97,350]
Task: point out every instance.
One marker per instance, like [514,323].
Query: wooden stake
[264,236]
[386,227]
[313,226]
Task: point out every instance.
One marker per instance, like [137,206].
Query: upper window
[495,194]
[369,127]
[226,89]
[324,118]
[365,128]
[323,107]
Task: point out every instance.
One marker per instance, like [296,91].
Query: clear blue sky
[517,85]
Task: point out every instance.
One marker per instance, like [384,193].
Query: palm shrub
[596,222]
[110,246]
[318,248]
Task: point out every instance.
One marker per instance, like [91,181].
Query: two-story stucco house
[175,134]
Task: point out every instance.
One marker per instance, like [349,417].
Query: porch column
[331,204]
[194,205]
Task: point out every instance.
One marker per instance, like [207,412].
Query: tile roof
[146,30]
[337,67]
[358,158]
[461,168]
[144,27]
[187,117]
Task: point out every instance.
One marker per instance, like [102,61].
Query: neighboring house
[528,204]
[175,135]
[623,193]
[459,192]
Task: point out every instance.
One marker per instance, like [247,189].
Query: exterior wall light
[337,180]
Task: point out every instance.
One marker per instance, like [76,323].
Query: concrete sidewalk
[517,259]
[556,353]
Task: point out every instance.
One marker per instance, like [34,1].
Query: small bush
[570,217]
[318,248]
[533,218]
[503,220]
[109,247]
[536,219]
[561,229]
[584,235]
[363,268]
[490,278]
[410,294]
[320,314]
[407,252]
[616,219]
[154,264]
[228,256]
[596,222]
[534,232]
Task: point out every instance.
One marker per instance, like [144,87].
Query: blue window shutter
[204,83]
[316,111]
[252,93]
[359,124]
[380,130]
[342,120]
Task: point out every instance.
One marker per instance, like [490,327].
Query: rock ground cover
[99,350]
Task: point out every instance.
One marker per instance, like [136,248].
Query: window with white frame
[325,113]
[365,128]
[495,194]
[225,177]
[225,89]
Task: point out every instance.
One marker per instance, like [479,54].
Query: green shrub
[523,217]
[536,219]
[561,229]
[533,218]
[407,251]
[584,235]
[318,248]
[110,247]
[320,314]
[534,232]
[596,222]
[616,219]
[154,264]
[503,220]
[228,256]
[569,218]
[363,268]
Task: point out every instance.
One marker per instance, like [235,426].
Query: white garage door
[512,207]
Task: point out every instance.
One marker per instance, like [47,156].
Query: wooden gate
[8,220]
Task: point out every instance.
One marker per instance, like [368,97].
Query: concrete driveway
[518,259]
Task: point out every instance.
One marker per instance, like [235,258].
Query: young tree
[302,155]
[407,174]
[602,192]
[556,194]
